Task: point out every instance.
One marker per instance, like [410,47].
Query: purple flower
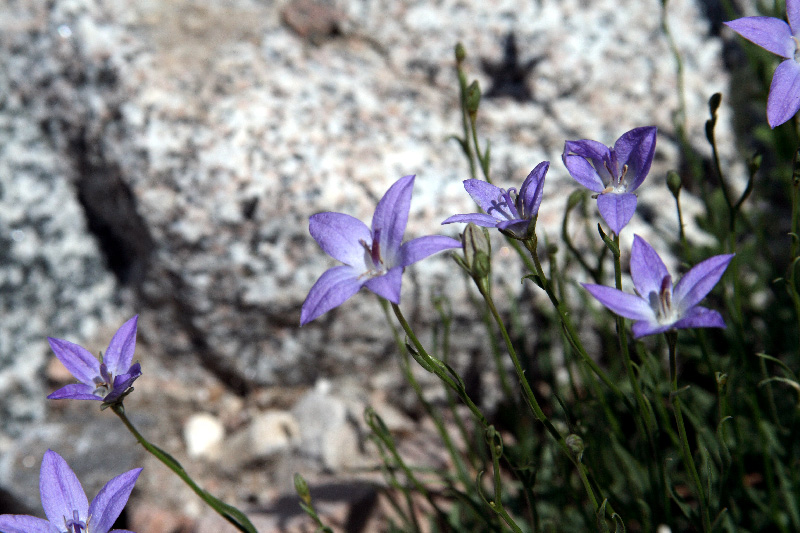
[775,36]
[508,211]
[107,380]
[374,258]
[613,173]
[658,306]
[65,503]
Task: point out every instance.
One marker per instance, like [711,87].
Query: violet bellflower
[780,38]
[613,173]
[105,380]
[658,306]
[373,257]
[509,211]
[65,503]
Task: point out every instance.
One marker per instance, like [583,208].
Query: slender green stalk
[686,450]
[534,404]
[438,368]
[228,512]
[566,322]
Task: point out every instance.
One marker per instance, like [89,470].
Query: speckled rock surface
[172,153]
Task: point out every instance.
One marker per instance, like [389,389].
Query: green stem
[534,404]
[566,322]
[686,451]
[228,512]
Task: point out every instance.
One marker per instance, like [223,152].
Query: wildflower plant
[65,503]
[594,429]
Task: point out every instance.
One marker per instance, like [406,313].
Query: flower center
[617,184]
[104,382]
[372,255]
[796,49]
[507,205]
[662,302]
[75,524]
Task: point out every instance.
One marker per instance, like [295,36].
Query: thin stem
[566,322]
[686,451]
[534,404]
[228,512]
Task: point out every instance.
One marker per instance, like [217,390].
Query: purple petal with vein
[617,209]
[333,288]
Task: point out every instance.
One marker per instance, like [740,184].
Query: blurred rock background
[162,157]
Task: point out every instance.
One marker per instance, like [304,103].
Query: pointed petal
[333,288]
[793,15]
[110,501]
[700,317]
[771,34]
[621,303]
[533,188]
[616,209]
[422,247]
[647,269]
[75,391]
[646,327]
[123,382]
[518,228]
[81,364]
[480,219]
[60,490]
[388,285]
[636,149]
[489,198]
[119,355]
[391,216]
[339,236]
[583,172]
[18,523]
[784,93]
[699,281]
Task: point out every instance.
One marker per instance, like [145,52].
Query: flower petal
[119,355]
[18,523]
[533,188]
[621,303]
[518,228]
[123,382]
[700,317]
[391,217]
[583,172]
[480,219]
[75,391]
[60,490]
[333,288]
[388,285]
[110,501]
[422,247]
[81,364]
[616,209]
[636,149]
[784,93]
[771,34]
[698,282]
[489,198]
[647,269]
[339,236]
[644,328]
[793,15]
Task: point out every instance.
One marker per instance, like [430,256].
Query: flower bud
[473,98]
[301,487]
[477,251]
[674,183]
[461,54]
[575,445]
